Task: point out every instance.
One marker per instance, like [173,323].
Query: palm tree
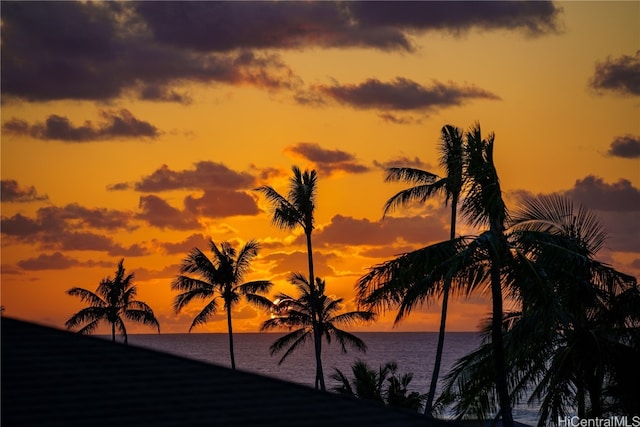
[470,261]
[290,312]
[220,277]
[368,384]
[112,302]
[574,338]
[297,210]
[426,185]
[483,205]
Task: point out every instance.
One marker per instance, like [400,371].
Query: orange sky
[138,131]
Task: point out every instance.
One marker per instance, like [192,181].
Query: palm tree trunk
[498,346]
[428,408]
[317,337]
[230,329]
[113,331]
[319,372]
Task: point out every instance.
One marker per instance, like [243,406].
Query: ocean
[412,351]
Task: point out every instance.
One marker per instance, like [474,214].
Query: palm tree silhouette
[112,302]
[368,384]
[297,210]
[470,261]
[220,277]
[575,336]
[290,312]
[425,186]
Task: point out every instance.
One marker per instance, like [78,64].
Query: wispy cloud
[402,94]
[11,191]
[115,125]
[327,161]
[620,75]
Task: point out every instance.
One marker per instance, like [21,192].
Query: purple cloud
[620,75]
[627,147]
[402,94]
[327,161]
[116,124]
[10,191]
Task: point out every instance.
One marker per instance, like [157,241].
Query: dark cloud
[103,50]
[205,175]
[158,213]
[183,247]
[120,186]
[100,51]
[284,263]
[532,17]
[116,124]
[622,229]
[70,228]
[402,162]
[53,219]
[225,26]
[403,94]
[55,261]
[627,147]
[352,231]
[621,75]
[10,191]
[218,203]
[327,161]
[594,193]
[399,120]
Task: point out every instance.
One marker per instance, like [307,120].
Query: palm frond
[248,252]
[294,340]
[347,339]
[255,286]
[260,301]
[88,314]
[205,314]
[87,296]
[284,215]
[415,194]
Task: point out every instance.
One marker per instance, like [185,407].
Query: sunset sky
[139,131]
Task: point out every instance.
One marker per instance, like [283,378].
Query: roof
[52,377]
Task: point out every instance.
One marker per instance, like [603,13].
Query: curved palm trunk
[498,346]
[428,408]
[230,329]
[317,336]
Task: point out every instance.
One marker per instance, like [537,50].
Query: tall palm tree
[469,261]
[220,277]
[290,312]
[426,185]
[112,302]
[575,335]
[297,210]
[483,205]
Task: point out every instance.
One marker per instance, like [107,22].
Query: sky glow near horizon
[139,131]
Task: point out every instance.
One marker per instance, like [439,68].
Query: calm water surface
[412,351]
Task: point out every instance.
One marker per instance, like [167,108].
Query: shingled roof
[52,377]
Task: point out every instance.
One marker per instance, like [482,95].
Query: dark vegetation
[573,340]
